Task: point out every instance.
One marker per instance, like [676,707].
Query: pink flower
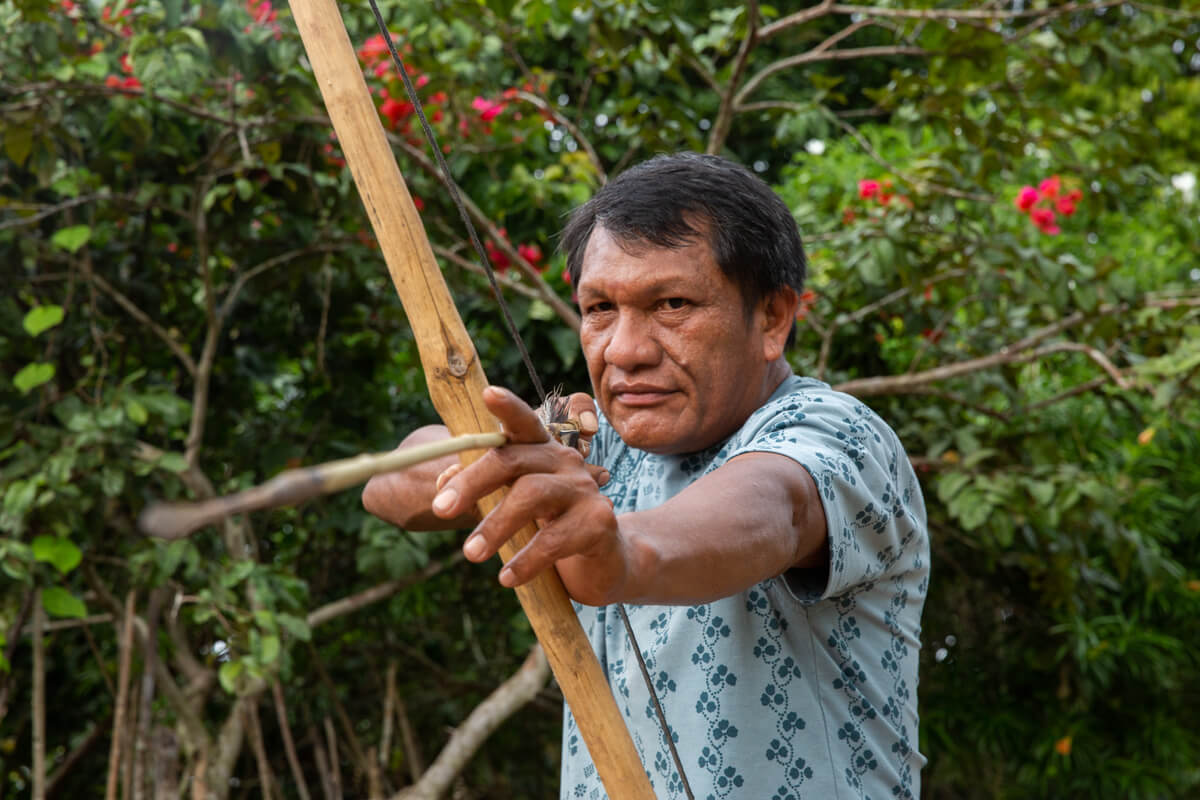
[488,110]
[1026,198]
[1050,187]
[373,49]
[1043,218]
[867,189]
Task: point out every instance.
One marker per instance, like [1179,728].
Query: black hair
[670,200]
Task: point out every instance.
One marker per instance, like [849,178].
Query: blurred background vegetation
[1000,206]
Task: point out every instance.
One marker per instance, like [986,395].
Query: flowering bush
[1046,203]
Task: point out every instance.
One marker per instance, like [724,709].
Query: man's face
[676,363]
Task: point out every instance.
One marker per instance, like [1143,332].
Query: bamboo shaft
[456,379]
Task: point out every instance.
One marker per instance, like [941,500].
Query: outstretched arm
[753,518]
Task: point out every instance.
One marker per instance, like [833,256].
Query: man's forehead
[649,266]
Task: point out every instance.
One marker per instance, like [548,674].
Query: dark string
[516,336]
[452,186]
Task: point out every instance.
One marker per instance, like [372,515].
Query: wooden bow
[456,379]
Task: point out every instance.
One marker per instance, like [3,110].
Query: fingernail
[604,477]
[589,423]
[445,500]
[585,447]
[446,474]
[507,578]
[474,547]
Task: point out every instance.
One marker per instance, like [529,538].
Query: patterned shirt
[805,685]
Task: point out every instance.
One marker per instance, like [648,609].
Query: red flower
[1026,198]
[172,247]
[531,253]
[374,49]
[566,276]
[112,82]
[131,83]
[867,189]
[1050,187]
[418,203]
[808,299]
[437,98]
[1066,203]
[395,110]
[1043,218]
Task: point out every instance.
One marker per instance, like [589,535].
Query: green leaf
[228,675]
[33,376]
[173,462]
[18,143]
[57,551]
[72,238]
[136,411]
[42,318]
[269,651]
[58,602]
[295,626]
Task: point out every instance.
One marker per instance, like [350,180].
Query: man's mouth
[639,395]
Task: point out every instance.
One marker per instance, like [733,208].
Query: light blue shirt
[805,685]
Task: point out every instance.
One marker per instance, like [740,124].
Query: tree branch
[354,602]
[728,105]
[141,316]
[792,20]
[816,55]
[911,383]
[502,703]
[471,266]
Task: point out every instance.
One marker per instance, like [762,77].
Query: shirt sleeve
[873,508]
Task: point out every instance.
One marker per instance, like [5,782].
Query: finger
[582,407]
[534,496]
[500,467]
[446,474]
[582,530]
[599,474]
[520,422]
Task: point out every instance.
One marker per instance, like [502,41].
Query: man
[767,532]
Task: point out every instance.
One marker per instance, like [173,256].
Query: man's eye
[675,302]
[597,307]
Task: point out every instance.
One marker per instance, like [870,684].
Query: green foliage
[193,305]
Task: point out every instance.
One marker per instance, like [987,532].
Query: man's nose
[632,343]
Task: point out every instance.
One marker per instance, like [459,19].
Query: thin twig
[141,316]
[114,753]
[266,778]
[811,57]
[335,759]
[39,700]
[289,746]
[11,647]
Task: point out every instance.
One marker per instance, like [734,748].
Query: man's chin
[653,430]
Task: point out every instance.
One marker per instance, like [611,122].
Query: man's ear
[779,317]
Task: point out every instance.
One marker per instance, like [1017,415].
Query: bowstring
[455,195]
